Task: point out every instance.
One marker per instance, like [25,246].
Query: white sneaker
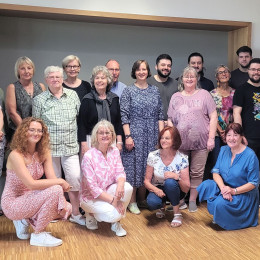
[22,228]
[117,228]
[133,208]
[44,239]
[91,222]
[79,219]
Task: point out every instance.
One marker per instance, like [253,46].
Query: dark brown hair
[175,135]
[136,66]
[236,127]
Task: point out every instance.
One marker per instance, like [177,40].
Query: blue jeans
[172,190]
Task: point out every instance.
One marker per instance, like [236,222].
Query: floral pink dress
[38,207]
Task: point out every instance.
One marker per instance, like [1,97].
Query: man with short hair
[58,107]
[246,106]
[114,68]
[239,76]
[166,85]
[196,61]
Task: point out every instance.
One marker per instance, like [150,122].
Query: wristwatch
[127,136]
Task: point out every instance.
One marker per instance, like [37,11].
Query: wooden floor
[147,238]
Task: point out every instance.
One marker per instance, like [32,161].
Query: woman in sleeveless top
[27,199]
[19,95]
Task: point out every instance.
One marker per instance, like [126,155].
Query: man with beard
[196,61]
[166,85]
[246,106]
[240,76]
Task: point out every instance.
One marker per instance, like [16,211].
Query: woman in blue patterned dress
[142,117]
[232,196]
[167,175]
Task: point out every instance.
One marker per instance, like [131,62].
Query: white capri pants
[71,168]
[104,211]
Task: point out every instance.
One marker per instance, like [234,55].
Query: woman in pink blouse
[192,111]
[104,194]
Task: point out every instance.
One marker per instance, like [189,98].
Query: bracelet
[127,136]
[112,200]
[235,191]
[119,142]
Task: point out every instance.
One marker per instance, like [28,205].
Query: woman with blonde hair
[28,199]
[19,95]
[104,192]
[192,111]
[71,65]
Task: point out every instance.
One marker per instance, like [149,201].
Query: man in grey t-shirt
[166,85]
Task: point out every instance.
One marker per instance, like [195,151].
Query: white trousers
[104,211]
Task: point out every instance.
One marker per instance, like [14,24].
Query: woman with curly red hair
[27,199]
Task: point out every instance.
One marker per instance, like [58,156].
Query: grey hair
[51,69]
[105,71]
[106,124]
[68,59]
[219,67]
[186,71]
[19,62]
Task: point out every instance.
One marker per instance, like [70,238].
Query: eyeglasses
[105,133]
[72,67]
[254,70]
[116,70]
[222,72]
[38,131]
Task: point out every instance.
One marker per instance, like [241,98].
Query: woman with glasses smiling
[223,97]
[27,199]
[192,111]
[104,193]
[71,66]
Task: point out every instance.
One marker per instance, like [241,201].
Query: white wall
[238,10]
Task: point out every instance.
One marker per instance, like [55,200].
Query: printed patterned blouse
[224,107]
[99,172]
[179,162]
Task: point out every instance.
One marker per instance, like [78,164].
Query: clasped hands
[226,192]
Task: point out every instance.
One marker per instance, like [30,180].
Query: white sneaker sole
[46,245]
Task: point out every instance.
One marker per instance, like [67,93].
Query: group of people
[103,137]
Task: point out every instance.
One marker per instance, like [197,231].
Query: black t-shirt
[238,78]
[83,89]
[248,97]
[206,84]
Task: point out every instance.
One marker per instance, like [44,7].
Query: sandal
[177,220]
[160,213]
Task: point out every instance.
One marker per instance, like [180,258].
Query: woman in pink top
[193,111]
[28,199]
[104,194]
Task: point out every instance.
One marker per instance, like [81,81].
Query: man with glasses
[239,76]
[246,106]
[114,68]
[58,107]
[166,85]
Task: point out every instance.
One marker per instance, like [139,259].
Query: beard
[255,80]
[244,67]
[159,72]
